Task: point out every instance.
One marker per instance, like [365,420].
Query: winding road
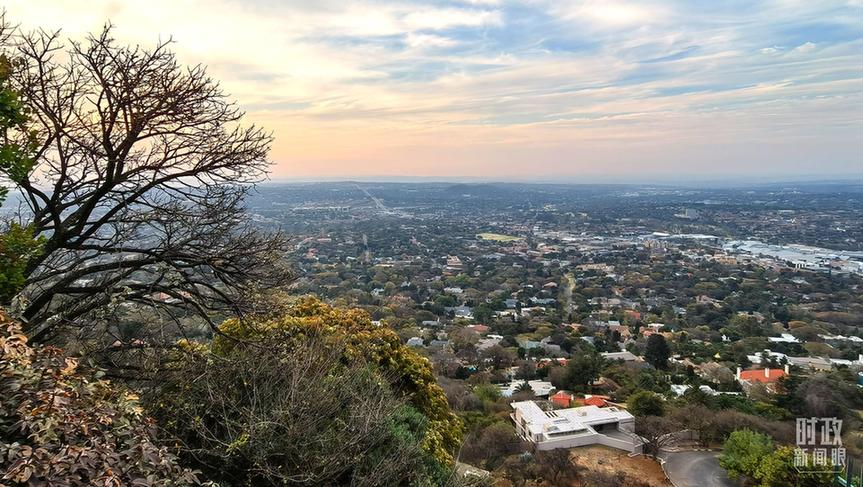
[696,469]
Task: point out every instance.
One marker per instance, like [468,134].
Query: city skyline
[497,90]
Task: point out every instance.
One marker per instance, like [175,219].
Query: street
[696,469]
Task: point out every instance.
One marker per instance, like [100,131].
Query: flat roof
[568,420]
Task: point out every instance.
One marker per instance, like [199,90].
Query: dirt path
[609,460]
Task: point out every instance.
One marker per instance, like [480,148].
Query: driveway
[696,469]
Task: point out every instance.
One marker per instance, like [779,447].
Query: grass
[497,237]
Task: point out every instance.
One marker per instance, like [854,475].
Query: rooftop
[625,356]
[573,420]
[762,375]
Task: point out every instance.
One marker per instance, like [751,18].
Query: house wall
[628,426]
[629,446]
[568,442]
[590,439]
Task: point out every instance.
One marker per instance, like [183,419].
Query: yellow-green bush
[411,374]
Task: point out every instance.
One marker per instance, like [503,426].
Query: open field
[497,237]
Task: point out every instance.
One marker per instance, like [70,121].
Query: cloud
[616,13]
[438,19]
[429,40]
[805,47]
[771,50]
[498,86]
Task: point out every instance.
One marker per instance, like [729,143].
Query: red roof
[545,362]
[762,375]
[562,398]
[598,401]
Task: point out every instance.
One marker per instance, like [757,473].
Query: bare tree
[656,432]
[557,465]
[140,172]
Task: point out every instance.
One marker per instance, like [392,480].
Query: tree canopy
[307,363]
[131,168]
[657,351]
[646,403]
[752,454]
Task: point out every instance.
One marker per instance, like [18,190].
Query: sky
[546,90]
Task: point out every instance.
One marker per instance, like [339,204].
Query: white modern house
[574,427]
[540,388]
[783,338]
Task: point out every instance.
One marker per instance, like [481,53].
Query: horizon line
[740,181]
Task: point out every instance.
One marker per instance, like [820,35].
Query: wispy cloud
[500,87]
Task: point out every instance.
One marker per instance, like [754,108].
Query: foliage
[823,395]
[657,351]
[744,451]
[61,426]
[646,403]
[752,454]
[489,446]
[17,246]
[487,392]
[580,371]
[17,142]
[777,470]
[278,412]
[309,328]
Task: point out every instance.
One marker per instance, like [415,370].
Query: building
[465,312]
[841,338]
[680,389]
[481,329]
[784,338]
[623,356]
[528,344]
[562,399]
[758,358]
[546,361]
[766,376]
[453,263]
[625,333]
[707,300]
[488,342]
[593,400]
[573,427]
[540,388]
[812,363]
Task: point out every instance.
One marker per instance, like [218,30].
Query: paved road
[696,469]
